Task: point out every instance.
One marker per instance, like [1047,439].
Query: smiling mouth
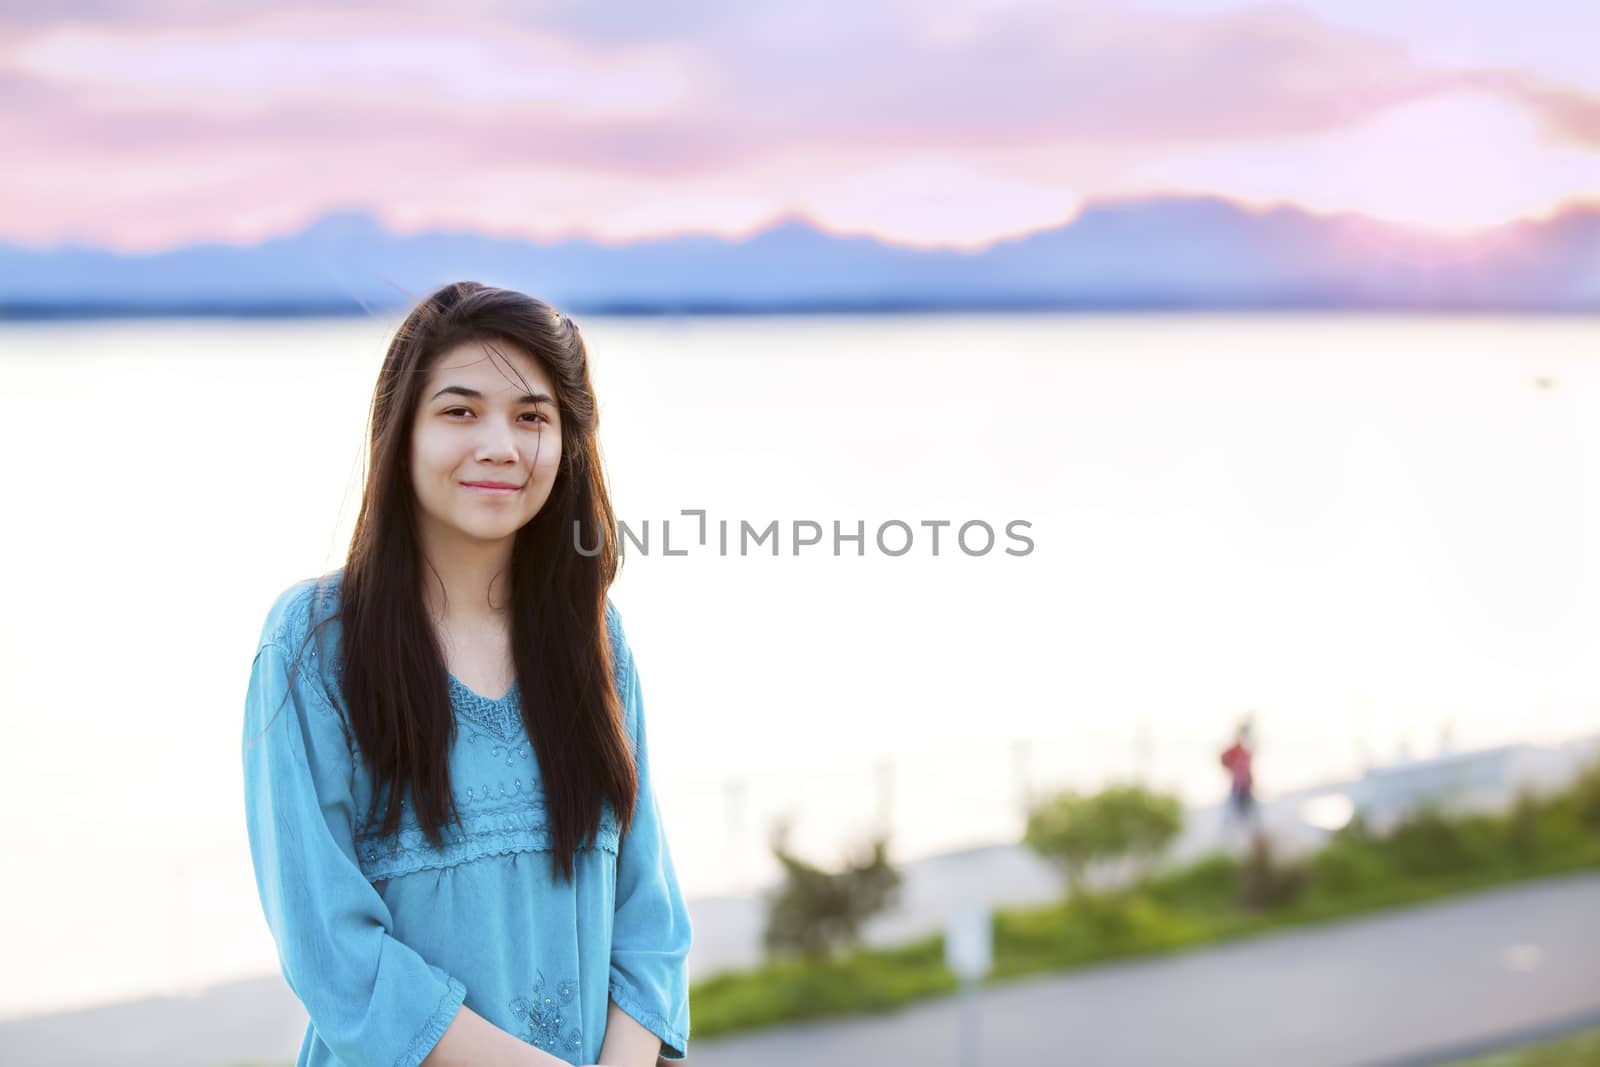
[491,487]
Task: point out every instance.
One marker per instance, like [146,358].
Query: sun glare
[1455,163]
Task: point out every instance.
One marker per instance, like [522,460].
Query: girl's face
[485,447]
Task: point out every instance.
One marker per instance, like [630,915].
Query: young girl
[447,778]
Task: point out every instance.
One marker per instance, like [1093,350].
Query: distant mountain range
[1175,253]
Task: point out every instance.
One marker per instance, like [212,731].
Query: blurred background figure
[1238,759]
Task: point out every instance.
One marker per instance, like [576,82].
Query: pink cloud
[158,124]
[288,56]
[1568,114]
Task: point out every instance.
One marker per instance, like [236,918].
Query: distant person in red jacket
[1241,794]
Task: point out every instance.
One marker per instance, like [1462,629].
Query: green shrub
[1072,830]
[1585,794]
[792,987]
[1430,843]
[1087,929]
[1358,831]
[1211,883]
[1346,866]
[818,914]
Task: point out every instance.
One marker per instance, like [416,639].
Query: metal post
[734,790]
[1021,757]
[969,953]
[969,1024]
[178,979]
[886,797]
[1142,745]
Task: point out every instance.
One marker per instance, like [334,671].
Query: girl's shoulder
[304,610]
[613,621]
[304,623]
[621,654]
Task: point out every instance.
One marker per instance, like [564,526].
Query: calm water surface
[1376,532]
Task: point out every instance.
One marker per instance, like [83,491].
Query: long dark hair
[395,683]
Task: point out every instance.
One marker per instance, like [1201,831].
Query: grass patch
[1579,1050]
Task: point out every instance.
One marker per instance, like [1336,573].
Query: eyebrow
[473,394]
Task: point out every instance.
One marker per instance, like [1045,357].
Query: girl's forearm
[473,1041]
[627,1043]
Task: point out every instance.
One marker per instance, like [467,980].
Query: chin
[498,531]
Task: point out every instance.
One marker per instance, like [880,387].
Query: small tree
[1522,824]
[1267,883]
[1072,830]
[1586,795]
[817,913]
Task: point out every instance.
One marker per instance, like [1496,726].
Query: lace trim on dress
[520,826]
[449,1003]
[502,718]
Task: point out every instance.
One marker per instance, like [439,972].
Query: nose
[497,443]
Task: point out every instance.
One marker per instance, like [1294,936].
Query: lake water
[1377,532]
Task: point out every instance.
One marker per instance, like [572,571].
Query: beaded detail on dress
[546,1015]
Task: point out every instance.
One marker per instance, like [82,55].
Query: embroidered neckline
[502,718]
[474,693]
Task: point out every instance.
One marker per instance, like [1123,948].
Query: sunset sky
[145,126]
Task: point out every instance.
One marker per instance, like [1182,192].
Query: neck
[465,579]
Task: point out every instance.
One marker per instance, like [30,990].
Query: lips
[502,486]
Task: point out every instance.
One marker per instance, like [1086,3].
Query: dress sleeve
[372,999]
[651,933]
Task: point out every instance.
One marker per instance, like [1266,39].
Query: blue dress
[384,938]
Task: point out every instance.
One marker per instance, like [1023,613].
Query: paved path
[1405,987]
